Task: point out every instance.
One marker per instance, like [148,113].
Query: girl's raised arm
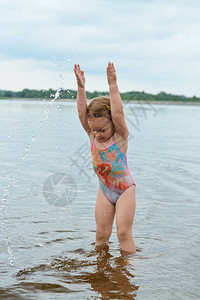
[116,103]
[81,98]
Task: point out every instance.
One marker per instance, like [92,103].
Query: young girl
[103,120]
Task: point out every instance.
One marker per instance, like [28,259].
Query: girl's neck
[103,145]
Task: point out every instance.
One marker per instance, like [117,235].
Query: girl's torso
[111,166]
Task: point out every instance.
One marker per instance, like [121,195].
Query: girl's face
[102,128]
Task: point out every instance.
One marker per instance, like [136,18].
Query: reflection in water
[112,280]
[108,276]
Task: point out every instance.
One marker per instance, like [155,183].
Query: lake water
[48,191]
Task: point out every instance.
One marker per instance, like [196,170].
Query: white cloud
[17,74]
[155,44]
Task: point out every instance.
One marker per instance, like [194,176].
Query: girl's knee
[103,233]
[124,233]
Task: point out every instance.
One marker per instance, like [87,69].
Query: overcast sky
[155,45]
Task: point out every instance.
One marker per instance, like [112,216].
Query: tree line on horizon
[71,94]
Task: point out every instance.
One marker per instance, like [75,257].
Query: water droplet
[33,137]
[27,148]
[24,155]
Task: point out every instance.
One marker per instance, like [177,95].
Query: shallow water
[48,192]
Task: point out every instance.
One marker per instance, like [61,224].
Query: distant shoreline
[124,101]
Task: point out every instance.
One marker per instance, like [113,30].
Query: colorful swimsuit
[111,167]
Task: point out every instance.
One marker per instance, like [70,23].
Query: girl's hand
[80,77]
[111,74]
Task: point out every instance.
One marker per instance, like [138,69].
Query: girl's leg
[125,210]
[104,215]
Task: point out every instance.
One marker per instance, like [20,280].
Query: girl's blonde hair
[99,107]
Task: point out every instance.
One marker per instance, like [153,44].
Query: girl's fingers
[112,66]
[78,70]
[110,69]
[77,67]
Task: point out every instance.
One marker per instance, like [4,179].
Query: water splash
[3,225]
[18,170]
[33,139]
